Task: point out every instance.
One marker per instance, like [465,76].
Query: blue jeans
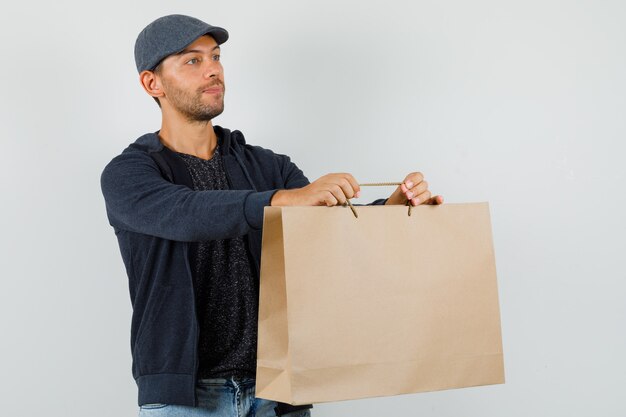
[221,398]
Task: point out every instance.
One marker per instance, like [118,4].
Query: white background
[519,103]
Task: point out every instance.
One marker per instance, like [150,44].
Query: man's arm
[334,189]
[139,199]
[329,190]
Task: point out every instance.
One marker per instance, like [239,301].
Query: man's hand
[329,190]
[415,190]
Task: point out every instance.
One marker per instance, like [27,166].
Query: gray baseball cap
[171,34]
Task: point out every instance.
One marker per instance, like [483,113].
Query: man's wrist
[281,198]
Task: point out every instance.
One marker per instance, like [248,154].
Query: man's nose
[213,69]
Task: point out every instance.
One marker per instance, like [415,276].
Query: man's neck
[193,138]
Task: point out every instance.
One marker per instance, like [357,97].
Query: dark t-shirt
[225,288]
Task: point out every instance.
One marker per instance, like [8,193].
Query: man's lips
[213,90]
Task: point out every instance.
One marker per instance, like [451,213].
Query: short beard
[190,105]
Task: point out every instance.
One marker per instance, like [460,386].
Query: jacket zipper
[197,326]
[230,185]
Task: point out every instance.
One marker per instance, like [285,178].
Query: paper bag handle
[375,184]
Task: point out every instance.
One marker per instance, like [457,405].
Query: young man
[186,204]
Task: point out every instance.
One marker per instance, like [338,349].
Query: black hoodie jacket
[155,213]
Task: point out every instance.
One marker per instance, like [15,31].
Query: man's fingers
[346,187]
[411,183]
[338,193]
[338,188]
[347,184]
[334,189]
[354,184]
[417,190]
[330,199]
[413,179]
[420,198]
[436,200]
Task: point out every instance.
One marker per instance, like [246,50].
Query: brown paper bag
[378,305]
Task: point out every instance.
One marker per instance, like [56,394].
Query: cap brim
[219,34]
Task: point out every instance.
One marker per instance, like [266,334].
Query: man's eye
[192,61]
[216,57]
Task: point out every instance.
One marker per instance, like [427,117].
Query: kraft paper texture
[383,304]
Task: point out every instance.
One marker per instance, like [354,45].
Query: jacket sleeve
[379,202]
[291,174]
[139,199]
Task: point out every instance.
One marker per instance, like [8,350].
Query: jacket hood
[227,140]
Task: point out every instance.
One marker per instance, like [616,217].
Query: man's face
[193,80]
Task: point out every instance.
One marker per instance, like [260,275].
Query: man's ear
[151,83]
